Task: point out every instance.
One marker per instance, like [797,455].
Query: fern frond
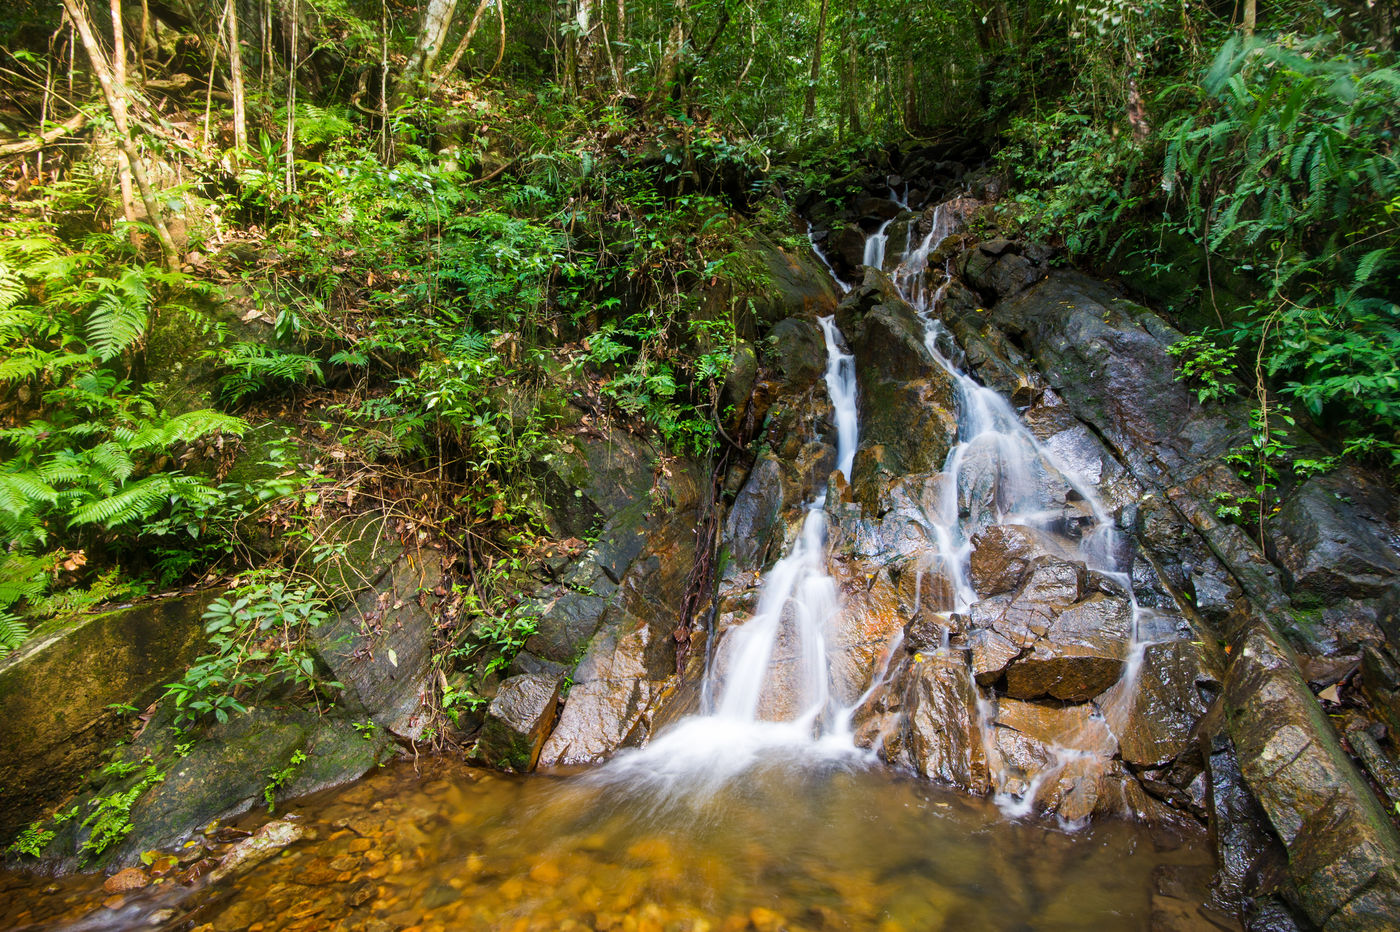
[21,491]
[116,322]
[13,633]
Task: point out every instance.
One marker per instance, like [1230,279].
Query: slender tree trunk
[1250,12]
[618,44]
[809,110]
[293,60]
[501,46]
[670,56]
[463,45]
[235,70]
[123,166]
[116,103]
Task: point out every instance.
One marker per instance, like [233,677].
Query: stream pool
[835,846]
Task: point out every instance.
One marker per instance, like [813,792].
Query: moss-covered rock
[59,689]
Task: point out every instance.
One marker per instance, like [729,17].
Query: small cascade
[783,644]
[991,432]
[842,286]
[875,246]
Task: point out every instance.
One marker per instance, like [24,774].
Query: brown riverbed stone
[133,878]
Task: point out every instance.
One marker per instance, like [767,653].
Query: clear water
[792,846]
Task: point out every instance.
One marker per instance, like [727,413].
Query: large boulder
[1164,704]
[59,691]
[1062,633]
[631,661]
[1343,850]
[1333,541]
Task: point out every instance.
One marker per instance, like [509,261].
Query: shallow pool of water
[795,847]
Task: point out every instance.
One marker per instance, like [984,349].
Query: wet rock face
[1063,632]
[907,403]
[1000,268]
[944,739]
[631,662]
[518,721]
[1343,851]
[1169,701]
[1330,542]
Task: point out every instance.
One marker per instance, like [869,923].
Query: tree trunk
[1250,12]
[115,96]
[670,56]
[235,70]
[462,46]
[437,18]
[586,47]
[293,59]
[809,110]
[119,78]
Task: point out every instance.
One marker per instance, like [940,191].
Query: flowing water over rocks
[974,543]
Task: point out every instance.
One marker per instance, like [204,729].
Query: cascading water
[767,694]
[738,726]
[875,245]
[990,431]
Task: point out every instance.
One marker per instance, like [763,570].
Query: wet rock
[753,526]
[1063,755]
[124,881]
[568,618]
[382,649]
[1002,555]
[1166,704]
[1069,627]
[906,401]
[1343,851]
[1000,268]
[1380,683]
[1332,542]
[632,659]
[792,285]
[1106,357]
[799,352]
[1251,862]
[58,688]
[264,843]
[520,717]
[739,382]
[944,736]
[862,636]
[848,248]
[612,471]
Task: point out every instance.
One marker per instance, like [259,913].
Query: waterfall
[784,641]
[875,246]
[768,694]
[988,426]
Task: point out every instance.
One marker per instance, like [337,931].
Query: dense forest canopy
[397,229]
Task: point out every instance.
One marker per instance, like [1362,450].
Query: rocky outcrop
[1343,850]
[1292,818]
[59,692]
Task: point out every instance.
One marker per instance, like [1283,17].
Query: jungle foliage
[437,224]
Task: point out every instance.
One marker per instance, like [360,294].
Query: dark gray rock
[1333,543]
[799,352]
[1343,851]
[519,719]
